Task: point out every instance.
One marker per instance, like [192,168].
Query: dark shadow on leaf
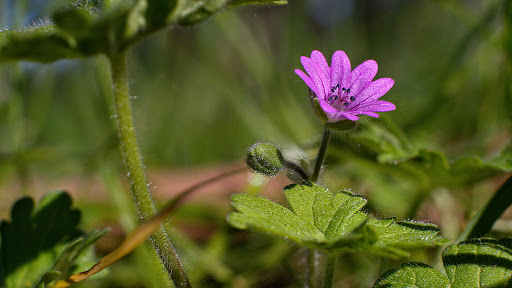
[33,231]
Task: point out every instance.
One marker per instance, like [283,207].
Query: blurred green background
[203,94]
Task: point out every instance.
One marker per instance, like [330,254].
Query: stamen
[352,98]
[336,97]
[346,104]
[330,98]
[348,90]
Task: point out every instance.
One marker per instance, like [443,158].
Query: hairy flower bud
[265,158]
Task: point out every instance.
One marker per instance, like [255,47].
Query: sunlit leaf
[319,219]
[479,263]
[412,275]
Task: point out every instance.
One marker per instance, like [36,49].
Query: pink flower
[342,93]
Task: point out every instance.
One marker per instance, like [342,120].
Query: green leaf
[387,148]
[479,263]
[190,12]
[412,275]
[319,219]
[158,11]
[41,244]
[70,260]
[105,31]
[42,43]
[53,223]
[395,238]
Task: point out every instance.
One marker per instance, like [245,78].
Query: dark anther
[343,89]
[348,90]
[336,97]
[352,98]
[330,98]
[346,103]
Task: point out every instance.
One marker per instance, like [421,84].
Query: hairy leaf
[479,263]
[412,275]
[319,219]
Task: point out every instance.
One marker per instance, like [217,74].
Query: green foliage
[413,275]
[41,244]
[474,263]
[393,153]
[479,263]
[86,29]
[319,219]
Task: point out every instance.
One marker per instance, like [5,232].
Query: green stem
[329,270]
[135,167]
[483,221]
[321,155]
[320,266]
[320,273]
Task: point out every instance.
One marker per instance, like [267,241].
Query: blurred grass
[202,95]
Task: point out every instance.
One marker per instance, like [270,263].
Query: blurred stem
[483,221]
[329,270]
[320,273]
[136,175]
[321,154]
[319,268]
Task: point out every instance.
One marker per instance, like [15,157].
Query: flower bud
[265,158]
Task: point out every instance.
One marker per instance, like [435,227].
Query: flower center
[340,98]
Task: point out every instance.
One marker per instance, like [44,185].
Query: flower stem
[321,155]
[135,167]
[320,270]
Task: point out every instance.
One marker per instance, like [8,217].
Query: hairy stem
[321,154]
[136,175]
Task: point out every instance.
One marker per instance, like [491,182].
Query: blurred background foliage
[203,94]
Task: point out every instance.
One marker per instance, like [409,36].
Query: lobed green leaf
[412,275]
[479,263]
[321,220]
[42,242]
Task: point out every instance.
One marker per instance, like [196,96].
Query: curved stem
[135,167]
[321,155]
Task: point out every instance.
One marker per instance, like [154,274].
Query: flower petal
[316,75]
[362,76]
[350,116]
[372,92]
[377,106]
[319,59]
[307,80]
[340,69]
[372,114]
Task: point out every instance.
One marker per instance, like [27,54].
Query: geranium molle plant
[339,93]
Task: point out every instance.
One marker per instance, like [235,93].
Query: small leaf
[395,238]
[32,241]
[319,219]
[190,12]
[43,43]
[69,260]
[479,263]
[412,275]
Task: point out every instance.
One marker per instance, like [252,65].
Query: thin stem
[321,155]
[329,270]
[135,167]
[320,269]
